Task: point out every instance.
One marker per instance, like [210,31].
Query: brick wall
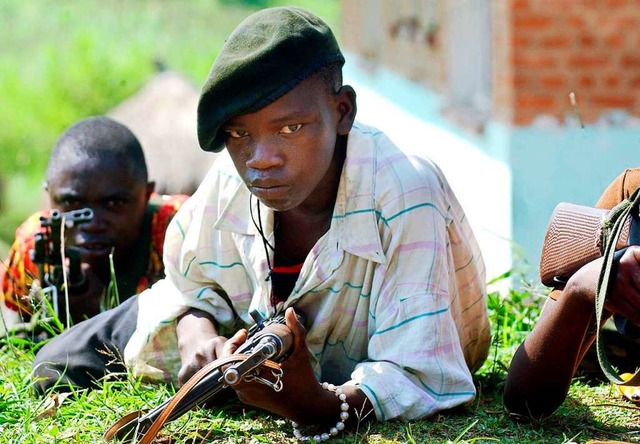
[402,35]
[541,51]
[554,47]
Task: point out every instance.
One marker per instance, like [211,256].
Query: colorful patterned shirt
[19,271]
[393,293]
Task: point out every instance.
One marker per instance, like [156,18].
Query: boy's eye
[115,203]
[68,203]
[290,129]
[236,134]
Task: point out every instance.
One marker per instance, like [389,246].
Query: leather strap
[612,227]
[160,421]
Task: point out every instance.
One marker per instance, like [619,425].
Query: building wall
[553,47]
[541,51]
[403,35]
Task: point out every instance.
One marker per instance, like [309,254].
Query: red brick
[634,83]
[521,81]
[533,22]
[553,81]
[630,61]
[588,61]
[613,101]
[520,4]
[615,41]
[521,42]
[576,21]
[612,80]
[534,60]
[555,42]
[536,101]
[586,82]
[615,3]
[587,40]
[625,21]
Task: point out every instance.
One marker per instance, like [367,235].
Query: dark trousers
[88,351]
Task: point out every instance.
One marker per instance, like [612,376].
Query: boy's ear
[151,187]
[346,99]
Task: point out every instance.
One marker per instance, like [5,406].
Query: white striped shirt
[394,293]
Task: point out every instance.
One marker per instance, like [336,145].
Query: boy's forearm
[543,366]
[194,326]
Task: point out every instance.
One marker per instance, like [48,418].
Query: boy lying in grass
[542,368]
[310,213]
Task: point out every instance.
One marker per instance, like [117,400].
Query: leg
[74,359]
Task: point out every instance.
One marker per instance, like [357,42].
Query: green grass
[65,60]
[591,411]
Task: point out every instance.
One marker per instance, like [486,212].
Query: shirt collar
[355,219]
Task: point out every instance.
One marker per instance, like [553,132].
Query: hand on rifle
[198,342]
[302,399]
[300,393]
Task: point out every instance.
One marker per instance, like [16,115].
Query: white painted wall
[481,183]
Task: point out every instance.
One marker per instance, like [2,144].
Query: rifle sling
[157,425]
[613,226]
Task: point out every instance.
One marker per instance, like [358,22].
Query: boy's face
[117,197]
[285,151]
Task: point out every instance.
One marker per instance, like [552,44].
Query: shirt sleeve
[621,188]
[152,350]
[416,364]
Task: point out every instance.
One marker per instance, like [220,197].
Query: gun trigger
[257,318]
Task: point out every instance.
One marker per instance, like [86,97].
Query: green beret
[267,55]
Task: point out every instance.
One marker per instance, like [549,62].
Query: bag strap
[612,226]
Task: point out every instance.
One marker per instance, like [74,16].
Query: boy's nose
[96,224]
[264,154]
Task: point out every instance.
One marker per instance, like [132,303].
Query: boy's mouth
[95,248]
[268,192]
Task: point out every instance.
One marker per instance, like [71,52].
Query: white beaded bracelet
[344,414]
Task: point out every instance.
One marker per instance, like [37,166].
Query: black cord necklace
[265,242]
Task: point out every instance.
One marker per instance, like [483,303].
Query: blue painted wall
[570,164]
[542,164]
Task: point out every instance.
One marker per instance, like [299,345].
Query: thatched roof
[163,116]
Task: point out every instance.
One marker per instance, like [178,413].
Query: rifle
[268,342]
[47,254]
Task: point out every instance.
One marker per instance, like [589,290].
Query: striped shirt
[393,293]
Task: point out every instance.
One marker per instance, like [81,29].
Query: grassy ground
[61,61]
[592,411]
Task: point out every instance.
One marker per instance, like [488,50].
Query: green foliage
[63,61]
[512,313]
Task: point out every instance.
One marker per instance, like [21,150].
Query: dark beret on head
[267,55]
